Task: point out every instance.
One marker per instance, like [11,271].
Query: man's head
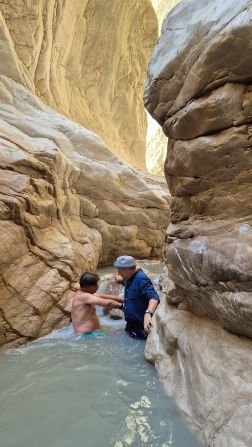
[89,282]
[126,266]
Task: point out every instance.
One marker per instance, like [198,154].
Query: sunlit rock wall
[162,7]
[199,90]
[88,60]
[156,146]
[156,141]
[67,203]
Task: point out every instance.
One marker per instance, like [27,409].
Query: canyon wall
[67,203]
[162,7]
[156,140]
[88,59]
[199,90]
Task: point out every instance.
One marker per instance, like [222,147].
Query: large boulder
[199,90]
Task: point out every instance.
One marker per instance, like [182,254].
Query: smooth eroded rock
[199,90]
[87,59]
[67,204]
[207,370]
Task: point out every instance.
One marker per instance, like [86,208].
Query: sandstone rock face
[67,204]
[156,147]
[207,370]
[162,7]
[208,160]
[156,140]
[88,60]
[199,90]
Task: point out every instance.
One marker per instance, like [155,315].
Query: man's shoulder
[80,296]
[141,274]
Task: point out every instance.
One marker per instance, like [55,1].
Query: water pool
[64,391]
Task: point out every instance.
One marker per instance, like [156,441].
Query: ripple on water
[61,391]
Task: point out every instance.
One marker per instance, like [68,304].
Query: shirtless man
[84,317]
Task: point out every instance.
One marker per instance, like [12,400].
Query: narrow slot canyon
[125,129]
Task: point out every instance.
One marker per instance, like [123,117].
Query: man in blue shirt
[140,297]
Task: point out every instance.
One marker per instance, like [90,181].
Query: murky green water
[63,391]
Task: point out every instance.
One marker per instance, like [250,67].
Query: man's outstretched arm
[119,299]
[96,300]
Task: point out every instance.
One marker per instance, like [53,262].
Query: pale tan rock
[156,143]
[199,89]
[162,7]
[67,204]
[207,248]
[207,371]
[156,147]
[192,59]
[88,60]
[204,115]
[227,153]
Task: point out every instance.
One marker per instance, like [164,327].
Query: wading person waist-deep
[140,297]
[84,317]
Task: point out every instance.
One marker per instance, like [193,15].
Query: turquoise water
[64,391]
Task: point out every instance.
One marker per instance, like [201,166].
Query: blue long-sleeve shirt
[138,291]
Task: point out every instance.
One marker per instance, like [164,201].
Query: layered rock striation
[67,204]
[199,89]
[87,59]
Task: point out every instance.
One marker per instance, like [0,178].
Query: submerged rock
[115,314]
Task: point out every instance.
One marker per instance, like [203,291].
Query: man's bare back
[84,317]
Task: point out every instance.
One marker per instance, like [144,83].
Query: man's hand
[114,305]
[118,279]
[147,323]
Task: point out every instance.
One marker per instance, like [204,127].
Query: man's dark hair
[89,279]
